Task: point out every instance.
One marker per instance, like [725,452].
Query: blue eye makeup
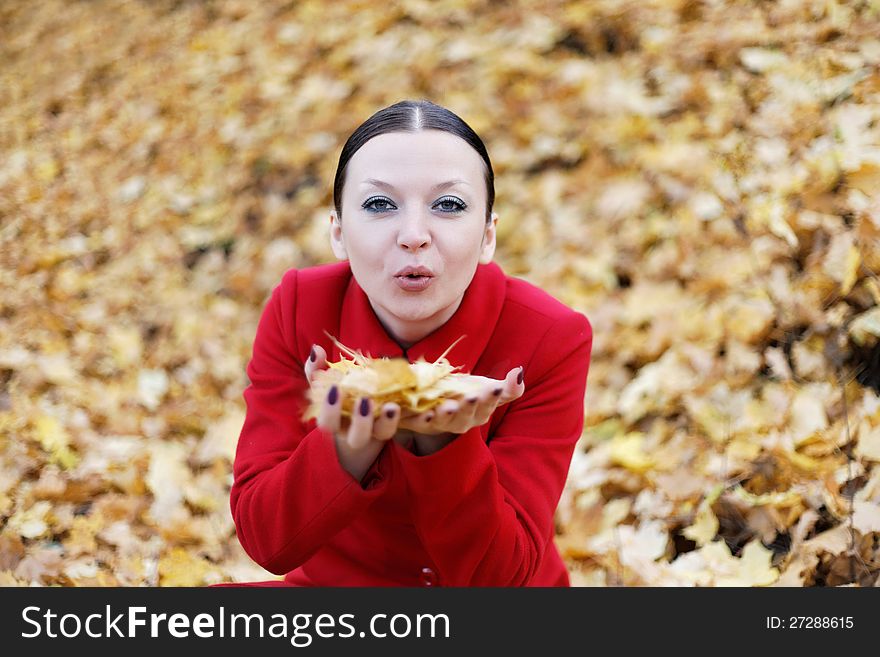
[368,204]
[458,204]
[447,204]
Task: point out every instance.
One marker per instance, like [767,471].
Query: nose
[414,232]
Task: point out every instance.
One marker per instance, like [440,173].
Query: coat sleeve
[290,494]
[484,512]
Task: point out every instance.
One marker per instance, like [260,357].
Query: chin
[414,312]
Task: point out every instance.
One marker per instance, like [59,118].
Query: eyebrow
[385,185]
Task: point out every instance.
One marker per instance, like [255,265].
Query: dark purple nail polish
[429,418]
[312,355]
[496,392]
[389,413]
[519,377]
[472,400]
[333,397]
[365,406]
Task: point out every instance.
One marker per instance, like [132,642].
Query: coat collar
[475,318]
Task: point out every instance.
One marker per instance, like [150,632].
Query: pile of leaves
[699,178]
[415,387]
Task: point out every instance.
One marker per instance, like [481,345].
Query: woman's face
[414,199]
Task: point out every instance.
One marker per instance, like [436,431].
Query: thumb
[317,360]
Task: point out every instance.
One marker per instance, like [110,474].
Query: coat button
[429,577]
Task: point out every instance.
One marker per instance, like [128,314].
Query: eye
[378,204]
[451,204]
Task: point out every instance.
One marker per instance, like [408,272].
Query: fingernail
[312,355]
[472,400]
[429,418]
[496,392]
[365,406]
[333,397]
[389,413]
[450,411]
[519,377]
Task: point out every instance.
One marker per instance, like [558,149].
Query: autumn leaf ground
[700,179]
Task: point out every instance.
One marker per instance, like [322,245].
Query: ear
[488,247]
[337,242]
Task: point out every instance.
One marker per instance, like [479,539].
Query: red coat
[479,512]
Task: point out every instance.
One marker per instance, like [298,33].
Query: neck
[407,333]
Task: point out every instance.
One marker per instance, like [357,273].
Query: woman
[465,494]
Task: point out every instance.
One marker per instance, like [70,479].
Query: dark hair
[412,116]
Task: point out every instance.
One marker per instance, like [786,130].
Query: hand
[436,428]
[365,436]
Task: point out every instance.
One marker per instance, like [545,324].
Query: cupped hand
[358,447]
[456,416]
[424,432]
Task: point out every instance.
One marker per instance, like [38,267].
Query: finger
[317,360]
[385,426]
[423,423]
[410,420]
[489,400]
[331,410]
[464,418]
[453,416]
[361,427]
[448,409]
[514,385]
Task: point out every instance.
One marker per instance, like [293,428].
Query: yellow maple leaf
[53,437]
[415,387]
[865,328]
[753,567]
[179,567]
[626,450]
[784,498]
[866,516]
[842,261]
[868,447]
[705,525]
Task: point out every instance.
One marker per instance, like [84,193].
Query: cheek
[462,245]
[366,246]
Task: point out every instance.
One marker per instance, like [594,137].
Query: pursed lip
[417,271]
